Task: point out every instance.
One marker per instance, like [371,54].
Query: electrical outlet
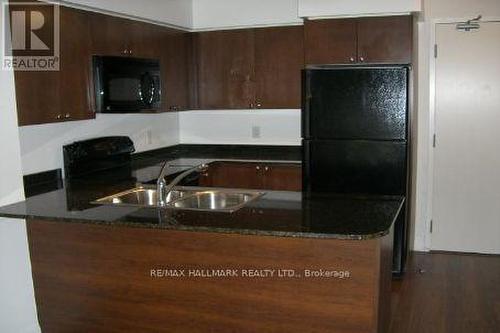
[256,132]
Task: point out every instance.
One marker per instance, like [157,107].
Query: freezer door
[355,166]
[356,103]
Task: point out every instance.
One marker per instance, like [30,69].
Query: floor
[444,292]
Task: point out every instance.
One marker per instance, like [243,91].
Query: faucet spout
[163,189]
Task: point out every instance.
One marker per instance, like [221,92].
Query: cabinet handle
[251,105]
[67,116]
[266,168]
[259,104]
[351,59]
[59,116]
[257,168]
[361,59]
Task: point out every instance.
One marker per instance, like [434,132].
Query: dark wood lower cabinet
[270,176]
[282,177]
[95,278]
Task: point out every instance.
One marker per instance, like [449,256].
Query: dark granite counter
[273,214]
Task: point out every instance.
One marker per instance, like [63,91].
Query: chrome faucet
[163,189]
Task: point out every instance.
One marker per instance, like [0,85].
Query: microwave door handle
[147,89]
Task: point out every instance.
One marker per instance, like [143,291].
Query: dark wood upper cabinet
[385,39]
[279,59]
[64,95]
[75,72]
[109,35]
[146,40]
[114,36]
[330,41]
[250,68]
[175,63]
[361,40]
[225,69]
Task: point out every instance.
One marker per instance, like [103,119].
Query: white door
[466,192]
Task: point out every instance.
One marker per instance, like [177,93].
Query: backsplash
[41,145]
[251,127]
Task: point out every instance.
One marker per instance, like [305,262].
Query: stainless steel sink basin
[142,196]
[188,198]
[217,200]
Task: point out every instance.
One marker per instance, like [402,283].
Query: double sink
[187,198]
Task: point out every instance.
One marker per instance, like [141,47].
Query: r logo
[34,36]
[19,25]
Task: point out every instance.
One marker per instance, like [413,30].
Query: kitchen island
[281,263]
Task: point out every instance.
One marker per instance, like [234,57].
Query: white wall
[435,10]
[17,302]
[277,127]
[445,9]
[321,8]
[173,12]
[212,14]
[41,146]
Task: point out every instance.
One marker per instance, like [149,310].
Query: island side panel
[384,282]
[95,278]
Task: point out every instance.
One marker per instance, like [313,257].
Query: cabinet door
[74,76]
[233,175]
[174,62]
[330,41]
[145,40]
[109,35]
[46,97]
[385,39]
[37,97]
[286,177]
[279,59]
[225,69]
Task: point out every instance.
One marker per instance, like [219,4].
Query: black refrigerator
[355,136]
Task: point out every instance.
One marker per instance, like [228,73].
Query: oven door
[127,85]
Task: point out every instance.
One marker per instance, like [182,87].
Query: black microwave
[127,85]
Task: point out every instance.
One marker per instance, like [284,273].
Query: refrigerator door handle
[306,104]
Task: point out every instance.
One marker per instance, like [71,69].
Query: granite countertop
[276,213]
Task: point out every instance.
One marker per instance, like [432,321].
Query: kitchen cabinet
[230,175]
[330,41]
[75,71]
[225,69]
[279,59]
[175,62]
[249,175]
[385,39]
[249,68]
[359,40]
[109,35]
[114,36]
[282,177]
[45,97]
